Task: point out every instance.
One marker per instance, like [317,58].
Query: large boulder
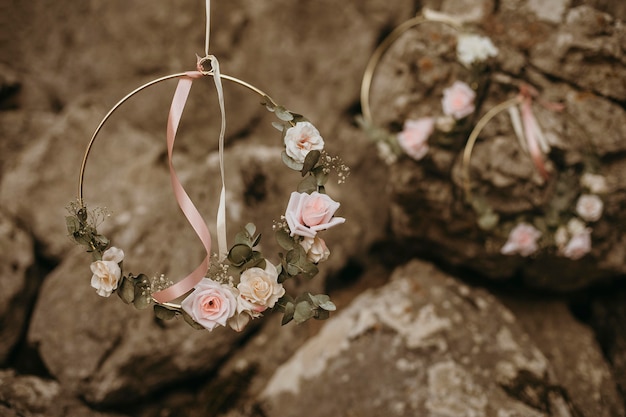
[426,344]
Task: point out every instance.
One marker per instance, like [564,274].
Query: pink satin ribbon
[182,198]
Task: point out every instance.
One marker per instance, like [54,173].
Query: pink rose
[309,213]
[458,100]
[302,139]
[211,303]
[107,272]
[414,138]
[589,207]
[522,240]
[579,245]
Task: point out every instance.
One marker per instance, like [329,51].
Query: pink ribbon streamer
[531,128]
[182,198]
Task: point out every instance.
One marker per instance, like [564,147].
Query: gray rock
[575,356]
[587,51]
[30,396]
[424,344]
[16,289]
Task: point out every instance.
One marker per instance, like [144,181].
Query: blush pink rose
[458,100]
[579,245]
[522,240]
[307,214]
[211,303]
[414,138]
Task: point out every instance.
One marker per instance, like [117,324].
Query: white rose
[589,207]
[579,245]
[259,290]
[302,139]
[316,249]
[594,182]
[474,48]
[575,226]
[107,272]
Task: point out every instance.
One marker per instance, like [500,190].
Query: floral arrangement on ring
[473,52]
[563,223]
[245,284]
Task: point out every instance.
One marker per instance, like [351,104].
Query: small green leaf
[191,321]
[283,114]
[488,220]
[267,102]
[250,228]
[323,301]
[290,162]
[163,313]
[289,309]
[81,214]
[321,314]
[320,175]
[284,239]
[239,254]
[310,160]
[303,311]
[308,270]
[278,126]
[308,185]
[126,290]
[73,224]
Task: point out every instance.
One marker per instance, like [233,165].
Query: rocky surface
[426,344]
[440,346]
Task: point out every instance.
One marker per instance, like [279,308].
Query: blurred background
[432,319]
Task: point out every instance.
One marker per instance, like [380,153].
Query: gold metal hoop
[379,52]
[141,88]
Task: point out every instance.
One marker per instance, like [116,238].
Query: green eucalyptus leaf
[250,228]
[290,162]
[303,311]
[239,254]
[81,214]
[321,314]
[285,241]
[267,102]
[73,224]
[310,160]
[488,220]
[242,238]
[283,114]
[292,270]
[126,290]
[309,270]
[254,263]
[308,185]
[320,175]
[278,126]
[323,301]
[163,313]
[191,321]
[142,299]
[289,309]
[256,240]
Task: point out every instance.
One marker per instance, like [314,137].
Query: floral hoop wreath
[564,222]
[473,53]
[239,283]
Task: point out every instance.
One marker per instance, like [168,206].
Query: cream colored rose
[302,139]
[589,207]
[316,249]
[594,182]
[107,272]
[259,290]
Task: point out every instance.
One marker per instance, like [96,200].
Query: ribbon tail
[530,131]
[182,198]
[516,121]
[221,211]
